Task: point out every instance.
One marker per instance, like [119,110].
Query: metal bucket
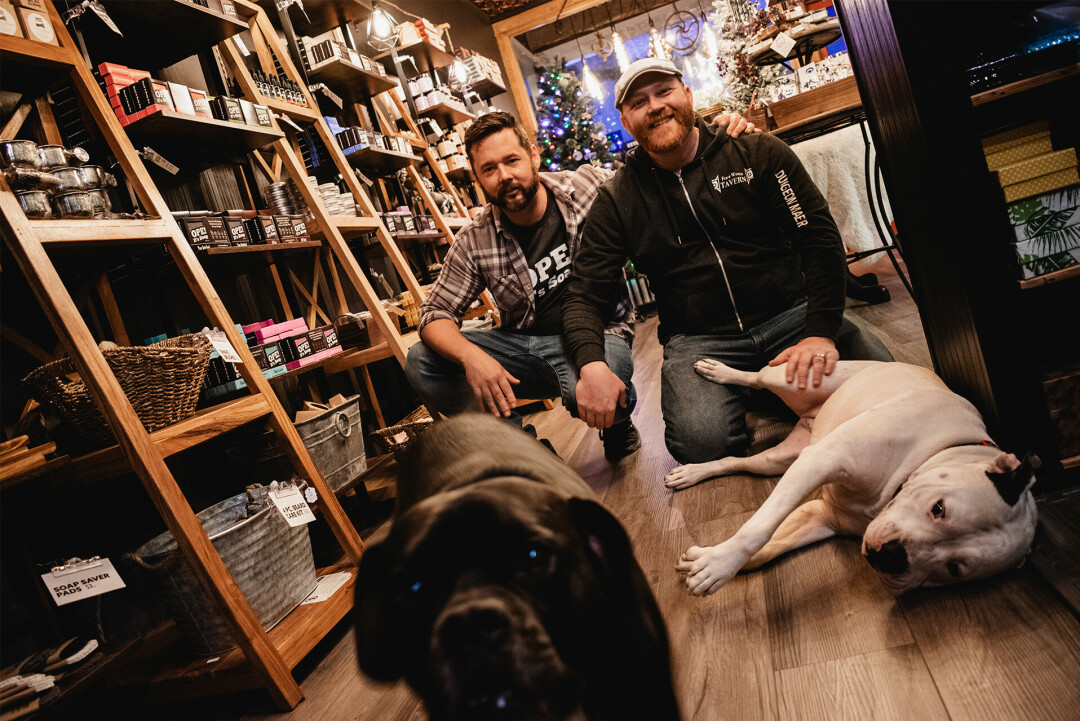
[335,441]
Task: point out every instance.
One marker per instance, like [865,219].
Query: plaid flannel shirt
[484,255]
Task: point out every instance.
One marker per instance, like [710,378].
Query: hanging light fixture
[709,42]
[621,56]
[589,81]
[380,23]
[658,46]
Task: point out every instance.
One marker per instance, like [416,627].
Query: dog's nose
[473,627]
[890,558]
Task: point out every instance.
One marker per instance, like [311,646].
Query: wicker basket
[398,438]
[270,561]
[162,382]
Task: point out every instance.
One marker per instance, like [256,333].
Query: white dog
[899,458]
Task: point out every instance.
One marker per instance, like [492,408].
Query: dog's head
[507,598]
[960,516]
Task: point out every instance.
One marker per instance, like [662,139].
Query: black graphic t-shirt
[548,256]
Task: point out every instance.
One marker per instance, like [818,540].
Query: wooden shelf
[1056,277]
[446,115]
[204,425]
[168,670]
[86,233]
[30,67]
[380,479]
[1026,84]
[294,111]
[351,82]
[350,226]
[379,160]
[426,56]
[1071,462]
[180,138]
[189,29]
[322,15]
[461,175]
[260,248]
[355,358]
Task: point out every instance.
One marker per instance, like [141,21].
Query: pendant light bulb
[590,82]
[461,73]
[380,24]
[621,56]
[708,39]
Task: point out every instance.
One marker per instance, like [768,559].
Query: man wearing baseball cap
[741,253]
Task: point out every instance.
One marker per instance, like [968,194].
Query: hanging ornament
[658,46]
[710,46]
[684,28]
[621,56]
[602,47]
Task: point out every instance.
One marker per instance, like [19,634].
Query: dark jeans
[705,420]
[540,362]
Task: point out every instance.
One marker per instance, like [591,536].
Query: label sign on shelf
[78,579]
[783,45]
[292,505]
[221,344]
[154,157]
[327,586]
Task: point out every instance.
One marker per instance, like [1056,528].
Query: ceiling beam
[590,20]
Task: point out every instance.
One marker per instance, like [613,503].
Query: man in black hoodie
[740,250]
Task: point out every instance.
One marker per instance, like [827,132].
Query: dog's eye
[939,509]
[416,586]
[538,559]
[953,569]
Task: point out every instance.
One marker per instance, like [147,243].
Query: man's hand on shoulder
[736,124]
[599,393]
[491,383]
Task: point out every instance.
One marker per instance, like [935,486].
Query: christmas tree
[739,22]
[570,133]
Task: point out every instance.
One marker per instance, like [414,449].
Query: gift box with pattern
[1045,214]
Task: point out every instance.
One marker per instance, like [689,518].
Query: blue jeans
[705,420]
[541,362]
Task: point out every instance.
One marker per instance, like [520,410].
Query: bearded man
[741,253]
[521,248]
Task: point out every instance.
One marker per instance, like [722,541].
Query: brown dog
[504,591]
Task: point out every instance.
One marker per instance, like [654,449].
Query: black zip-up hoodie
[724,242]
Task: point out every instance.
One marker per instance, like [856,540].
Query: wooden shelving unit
[426,56]
[275,248]
[446,115]
[189,136]
[1020,86]
[321,15]
[1056,277]
[351,82]
[266,661]
[380,160]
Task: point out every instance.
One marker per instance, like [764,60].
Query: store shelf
[379,160]
[30,67]
[424,54]
[294,111]
[351,82]
[1020,86]
[1071,462]
[181,138]
[350,226]
[380,479]
[204,425]
[355,358]
[87,233]
[166,668]
[461,175]
[276,248]
[159,33]
[445,115]
[321,15]
[1056,277]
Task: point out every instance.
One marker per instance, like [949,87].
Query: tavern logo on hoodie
[740,176]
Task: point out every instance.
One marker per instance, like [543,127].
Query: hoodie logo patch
[743,176]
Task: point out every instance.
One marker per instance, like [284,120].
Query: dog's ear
[379,655]
[606,542]
[1011,476]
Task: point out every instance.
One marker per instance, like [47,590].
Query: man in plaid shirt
[520,248]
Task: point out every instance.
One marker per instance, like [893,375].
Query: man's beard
[528,192]
[666,138]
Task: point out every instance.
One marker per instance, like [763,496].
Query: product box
[9,21]
[261,229]
[37,26]
[200,100]
[219,232]
[237,232]
[313,358]
[1037,166]
[181,98]
[162,96]
[322,338]
[1041,184]
[195,231]
[247,110]
[1035,145]
[284,226]
[1047,213]
[272,353]
[295,347]
[299,226]
[270,332]
[262,116]
[227,8]
[1002,141]
[38,5]
[1047,253]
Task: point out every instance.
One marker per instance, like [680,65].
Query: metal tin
[35,203]
[70,179]
[93,176]
[75,204]
[20,154]
[99,199]
[53,156]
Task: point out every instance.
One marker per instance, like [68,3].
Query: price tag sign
[80,579]
[292,505]
[222,345]
[152,155]
[101,13]
[783,45]
[327,586]
[241,45]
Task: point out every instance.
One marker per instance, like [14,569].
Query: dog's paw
[685,476]
[717,372]
[707,569]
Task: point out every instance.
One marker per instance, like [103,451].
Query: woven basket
[162,382]
[398,438]
[270,561]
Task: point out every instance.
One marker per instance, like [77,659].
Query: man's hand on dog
[813,357]
[599,393]
[736,124]
[491,383]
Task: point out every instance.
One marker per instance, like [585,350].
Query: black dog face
[506,600]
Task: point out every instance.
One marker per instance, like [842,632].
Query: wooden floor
[814,636]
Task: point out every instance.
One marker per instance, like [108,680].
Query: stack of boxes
[1043,196]
[133,95]
[336,202]
[225,7]
[353,138]
[277,349]
[323,50]
[419,30]
[403,222]
[241,227]
[451,152]
[481,69]
[27,19]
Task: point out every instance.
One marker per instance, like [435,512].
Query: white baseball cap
[639,68]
